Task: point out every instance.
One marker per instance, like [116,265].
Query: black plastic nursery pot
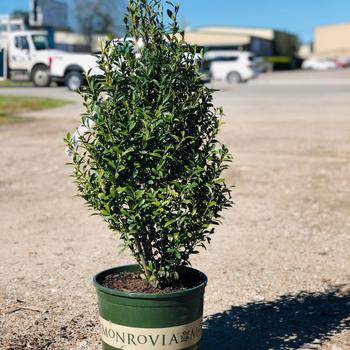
[143,321]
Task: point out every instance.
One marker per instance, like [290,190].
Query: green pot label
[171,338]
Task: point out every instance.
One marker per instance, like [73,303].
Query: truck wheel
[41,76]
[73,80]
[233,78]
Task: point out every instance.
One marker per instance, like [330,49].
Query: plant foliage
[151,163]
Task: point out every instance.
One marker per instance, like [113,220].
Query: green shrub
[148,159]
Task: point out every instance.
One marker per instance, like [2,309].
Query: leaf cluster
[151,165]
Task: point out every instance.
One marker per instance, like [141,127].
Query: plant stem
[142,257]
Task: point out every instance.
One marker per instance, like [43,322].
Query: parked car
[232,66]
[319,64]
[342,62]
[262,65]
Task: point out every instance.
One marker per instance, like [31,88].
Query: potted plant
[147,159]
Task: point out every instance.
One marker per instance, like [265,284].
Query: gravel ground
[279,272]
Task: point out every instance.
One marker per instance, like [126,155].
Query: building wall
[52,13]
[262,41]
[8,24]
[332,41]
[215,38]
[231,38]
[263,33]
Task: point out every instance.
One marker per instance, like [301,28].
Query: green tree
[22,15]
[149,162]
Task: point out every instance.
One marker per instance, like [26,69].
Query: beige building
[209,39]
[332,41]
[238,38]
[261,41]
[263,33]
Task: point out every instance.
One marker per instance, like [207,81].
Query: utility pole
[35,10]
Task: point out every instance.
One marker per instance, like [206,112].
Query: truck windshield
[41,42]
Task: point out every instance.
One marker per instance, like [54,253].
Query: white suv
[232,66]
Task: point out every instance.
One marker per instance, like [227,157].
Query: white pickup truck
[28,55]
[69,68]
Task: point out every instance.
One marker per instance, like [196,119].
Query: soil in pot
[132,282]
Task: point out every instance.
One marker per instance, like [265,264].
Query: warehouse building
[332,41]
[264,42]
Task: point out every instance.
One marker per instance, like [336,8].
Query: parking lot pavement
[300,75]
[339,78]
[305,78]
[278,268]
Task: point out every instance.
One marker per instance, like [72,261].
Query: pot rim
[138,295]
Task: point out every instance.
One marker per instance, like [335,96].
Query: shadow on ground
[289,322]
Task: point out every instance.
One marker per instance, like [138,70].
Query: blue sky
[298,16]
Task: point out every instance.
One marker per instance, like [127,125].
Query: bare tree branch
[100,17]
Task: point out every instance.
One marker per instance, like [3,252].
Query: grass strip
[10,106]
